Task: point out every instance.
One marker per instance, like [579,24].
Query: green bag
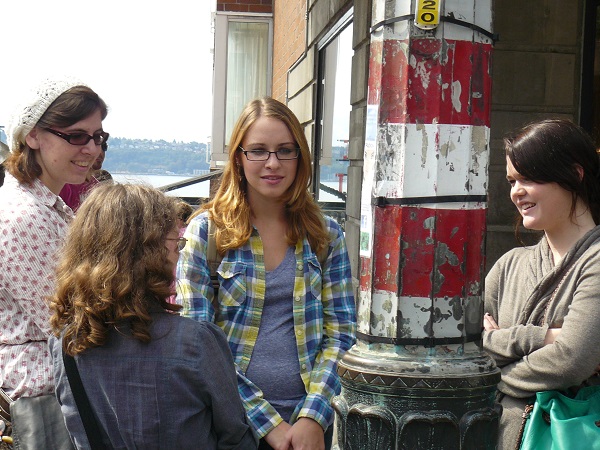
[558,422]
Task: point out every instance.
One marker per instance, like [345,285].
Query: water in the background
[198,189]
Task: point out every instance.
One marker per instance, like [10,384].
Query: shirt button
[297,299]
[303,366]
[299,332]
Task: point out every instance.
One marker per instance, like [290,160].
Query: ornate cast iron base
[388,404]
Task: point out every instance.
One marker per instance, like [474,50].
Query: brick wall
[289,41]
[253,6]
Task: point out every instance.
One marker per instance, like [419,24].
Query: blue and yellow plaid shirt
[324,314]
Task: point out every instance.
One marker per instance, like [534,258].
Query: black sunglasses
[80,138]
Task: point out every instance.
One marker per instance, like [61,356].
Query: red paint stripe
[386,247]
[418,86]
[435,253]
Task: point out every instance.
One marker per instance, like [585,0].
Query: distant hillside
[158,157]
[183,158]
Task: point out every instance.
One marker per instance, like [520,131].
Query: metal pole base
[414,402]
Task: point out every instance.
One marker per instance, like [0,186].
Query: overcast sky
[150,60]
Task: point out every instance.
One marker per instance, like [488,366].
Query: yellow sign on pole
[427,15]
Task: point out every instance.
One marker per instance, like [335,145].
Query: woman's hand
[278,438]
[551,335]
[307,434]
[489,323]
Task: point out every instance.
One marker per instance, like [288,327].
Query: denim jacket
[178,391]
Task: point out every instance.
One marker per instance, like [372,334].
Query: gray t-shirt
[274,365]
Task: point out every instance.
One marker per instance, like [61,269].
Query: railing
[337,210]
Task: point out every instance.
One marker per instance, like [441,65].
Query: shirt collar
[40,192]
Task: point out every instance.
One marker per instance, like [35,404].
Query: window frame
[222,19]
[320,106]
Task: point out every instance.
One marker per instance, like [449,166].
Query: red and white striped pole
[417,373]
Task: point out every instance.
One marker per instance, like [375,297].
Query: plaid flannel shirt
[324,314]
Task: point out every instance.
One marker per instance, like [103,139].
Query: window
[333,113]
[590,84]
[243,61]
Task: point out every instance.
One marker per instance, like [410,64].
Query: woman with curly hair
[285,292]
[154,379]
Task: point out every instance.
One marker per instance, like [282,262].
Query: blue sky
[150,60]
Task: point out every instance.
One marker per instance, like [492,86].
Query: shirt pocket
[315,279]
[232,283]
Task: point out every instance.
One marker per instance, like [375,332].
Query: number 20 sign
[427,14]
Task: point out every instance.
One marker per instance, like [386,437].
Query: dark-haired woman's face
[543,206]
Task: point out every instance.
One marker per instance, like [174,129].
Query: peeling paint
[453,232]
[446,148]
[443,255]
[456,91]
[430,141]
[423,73]
[424,143]
[429,223]
[387,306]
[457,308]
[376,319]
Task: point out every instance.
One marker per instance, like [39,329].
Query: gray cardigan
[526,293]
[517,290]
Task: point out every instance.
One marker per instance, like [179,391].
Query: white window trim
[222,20]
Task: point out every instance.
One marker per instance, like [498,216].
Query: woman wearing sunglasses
[154,380]
[285,293]
[54,137]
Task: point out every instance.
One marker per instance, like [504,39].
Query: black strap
[83,404]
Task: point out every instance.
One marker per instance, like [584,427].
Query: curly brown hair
[114,266]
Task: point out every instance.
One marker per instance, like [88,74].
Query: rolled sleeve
[194,288]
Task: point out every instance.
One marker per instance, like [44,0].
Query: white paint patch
[477,12]
[456,91]
[384,310]
[431,160]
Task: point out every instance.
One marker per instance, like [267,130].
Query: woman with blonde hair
[154,380]
[285,293]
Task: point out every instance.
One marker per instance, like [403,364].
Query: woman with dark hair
[542,321]
[285,292]
[154,380]
[54,137]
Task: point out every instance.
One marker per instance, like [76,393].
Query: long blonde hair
[229,209]
[114,266]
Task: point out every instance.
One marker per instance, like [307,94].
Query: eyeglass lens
[263,155]
[81,138]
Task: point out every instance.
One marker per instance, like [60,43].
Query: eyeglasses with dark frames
[80,138]
[181,242]
[283,154]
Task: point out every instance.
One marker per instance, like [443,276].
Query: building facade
[544,65]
